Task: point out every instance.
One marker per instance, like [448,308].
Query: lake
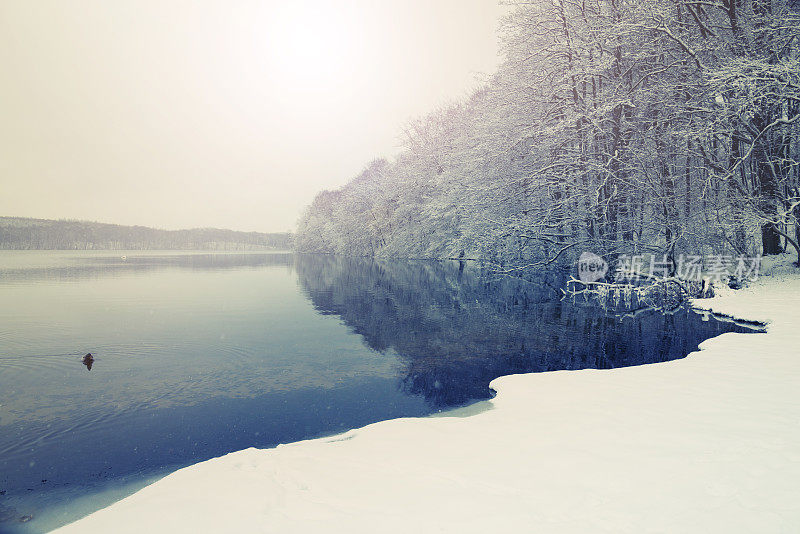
[197,355]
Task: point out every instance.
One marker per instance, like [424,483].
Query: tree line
[618,126]
[23,234]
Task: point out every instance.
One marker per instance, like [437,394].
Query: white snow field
[709,443]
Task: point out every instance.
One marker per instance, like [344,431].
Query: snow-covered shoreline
[708,443]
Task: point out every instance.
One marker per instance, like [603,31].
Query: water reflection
[457,328]
[40,266]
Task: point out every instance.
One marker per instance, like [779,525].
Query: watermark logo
[591,267]
[714,267]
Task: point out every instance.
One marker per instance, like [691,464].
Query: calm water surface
[198,355]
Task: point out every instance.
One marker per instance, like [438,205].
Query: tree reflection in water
[456,328]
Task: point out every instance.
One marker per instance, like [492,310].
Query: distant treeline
[23,234]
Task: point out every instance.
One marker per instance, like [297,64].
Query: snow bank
[704,444]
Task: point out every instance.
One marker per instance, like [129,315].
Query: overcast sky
[231,114]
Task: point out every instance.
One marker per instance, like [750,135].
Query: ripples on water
[197,355]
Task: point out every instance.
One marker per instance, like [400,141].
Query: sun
[312,43]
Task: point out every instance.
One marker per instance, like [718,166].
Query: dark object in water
[88,360]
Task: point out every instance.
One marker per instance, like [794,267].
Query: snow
[708,443]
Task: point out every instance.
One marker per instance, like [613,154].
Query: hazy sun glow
[313,44]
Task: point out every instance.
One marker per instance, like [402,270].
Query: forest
[23,234]
[616,126]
